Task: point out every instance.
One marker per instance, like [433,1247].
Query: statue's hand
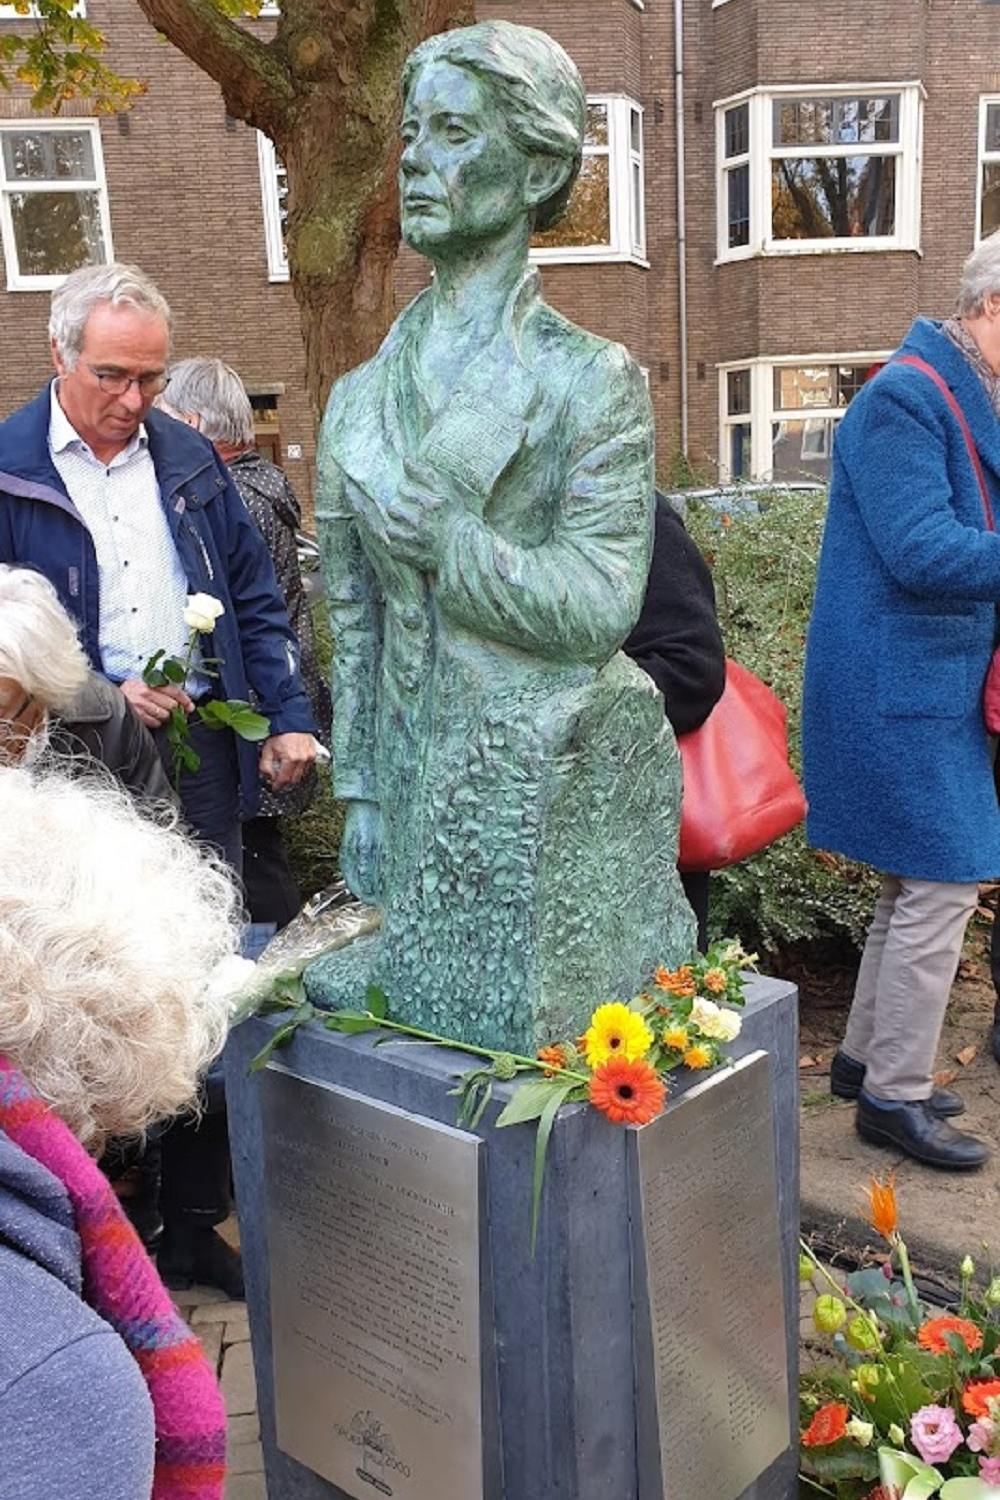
[419,518]
[361,850]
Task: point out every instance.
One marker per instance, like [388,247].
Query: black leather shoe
[995,1031]
[847,1079]
[913,1127]
[190,1257]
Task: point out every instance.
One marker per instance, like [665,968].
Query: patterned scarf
[121,1284]
[956,330]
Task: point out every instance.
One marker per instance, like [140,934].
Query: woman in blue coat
[898,764]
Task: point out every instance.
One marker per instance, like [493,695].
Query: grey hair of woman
[39,645]
[536,84]
[980,277]
[80,293]
[208,389]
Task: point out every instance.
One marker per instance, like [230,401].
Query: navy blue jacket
[220,549]
[897,762]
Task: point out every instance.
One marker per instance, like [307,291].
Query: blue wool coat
[897,763]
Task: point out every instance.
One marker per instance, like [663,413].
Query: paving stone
[196,1295]
[210,1338]
[245,1429]
[237,1329]
[218,1312]
[244,1458]
[239,1388]
[246,1487]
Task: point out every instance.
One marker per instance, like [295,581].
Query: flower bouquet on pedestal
[909,1408]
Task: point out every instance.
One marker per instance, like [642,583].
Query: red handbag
[991,687]
[740,793]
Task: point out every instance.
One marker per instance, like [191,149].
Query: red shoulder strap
[959,415]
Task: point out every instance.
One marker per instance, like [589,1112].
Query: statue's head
[493,125]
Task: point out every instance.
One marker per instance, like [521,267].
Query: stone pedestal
[566,1410]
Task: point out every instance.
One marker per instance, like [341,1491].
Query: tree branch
[256,85]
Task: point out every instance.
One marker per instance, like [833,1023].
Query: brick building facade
[840,162]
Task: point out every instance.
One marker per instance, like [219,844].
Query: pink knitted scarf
[121,1284]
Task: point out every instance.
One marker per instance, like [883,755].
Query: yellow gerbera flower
[676,1038]
[697,1057]
[616,1031]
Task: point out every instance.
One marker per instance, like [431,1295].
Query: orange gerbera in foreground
[827,1426]
[976,1394]
[933,1334]
[630,1093]
[882,1206]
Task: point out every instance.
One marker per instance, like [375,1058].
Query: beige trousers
[907,970]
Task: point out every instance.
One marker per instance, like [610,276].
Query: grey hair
[214,392]
[114,929]
[980,277]
[39,645]
[537,85]
[74,301]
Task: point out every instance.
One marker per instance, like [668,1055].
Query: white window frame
[16,281]
[762,414]
[274,239]
[9,12]
[983,158]
[621,159]
[908,152]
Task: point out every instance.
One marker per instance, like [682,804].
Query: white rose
[705,1014]
[730,1025]
[201,613]
[861,1432]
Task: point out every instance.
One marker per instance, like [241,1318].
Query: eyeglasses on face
[114,383]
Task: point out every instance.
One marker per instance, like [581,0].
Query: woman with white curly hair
[111,925]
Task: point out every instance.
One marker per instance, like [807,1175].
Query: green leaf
[843,1460]
[530,1100]
[282,1035]
[188,757]
[377,1001]
[545,1123]
[350,1021]
[154,678]
[173,671]
[151,665]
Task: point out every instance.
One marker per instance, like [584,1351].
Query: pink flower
[935,1433]
[981,1435]
[989,1470]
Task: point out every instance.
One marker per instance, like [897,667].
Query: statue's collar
[524,297]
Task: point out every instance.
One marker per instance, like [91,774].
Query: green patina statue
[485,509]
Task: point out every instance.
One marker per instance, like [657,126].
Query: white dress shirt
[143,587]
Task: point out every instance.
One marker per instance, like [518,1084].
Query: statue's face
[462,180]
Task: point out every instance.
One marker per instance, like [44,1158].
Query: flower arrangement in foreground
[620,1065]
[911,1407]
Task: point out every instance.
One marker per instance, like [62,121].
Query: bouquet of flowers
[910,1408]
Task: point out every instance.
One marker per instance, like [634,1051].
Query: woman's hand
[420,517]
[361,850]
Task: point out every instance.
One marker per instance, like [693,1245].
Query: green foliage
[764,567]
[313,838]
[61,57]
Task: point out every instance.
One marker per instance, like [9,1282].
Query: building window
[605,219]
[53,201]
[834,170]
[988,218]
[777,417]
[274,200]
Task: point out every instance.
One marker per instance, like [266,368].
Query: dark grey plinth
[563,1327]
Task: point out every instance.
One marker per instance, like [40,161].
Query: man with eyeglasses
[128,512]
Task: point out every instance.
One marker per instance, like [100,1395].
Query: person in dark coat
[677,641]
[209,396]
[897,760]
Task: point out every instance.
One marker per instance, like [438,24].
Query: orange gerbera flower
[553,1057]
[630,1093]
[677,982]
[976,1394]
[882,1214]
[933,1334]
[697,1057]
[828,1425]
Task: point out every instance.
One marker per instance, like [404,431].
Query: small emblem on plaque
[379,1459]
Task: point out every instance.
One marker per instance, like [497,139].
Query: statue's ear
[546,175]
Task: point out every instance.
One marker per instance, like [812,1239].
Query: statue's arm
[353,602]
[577,596]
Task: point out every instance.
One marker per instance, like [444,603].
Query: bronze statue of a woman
[485,513]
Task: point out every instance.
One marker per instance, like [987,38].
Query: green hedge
[764,567]
[313,839]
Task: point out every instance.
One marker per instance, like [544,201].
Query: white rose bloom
[730,1025]
[202,611]
[710,1019]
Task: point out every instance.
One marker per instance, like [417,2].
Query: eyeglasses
[116,384]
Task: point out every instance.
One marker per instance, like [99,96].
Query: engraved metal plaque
[373,1231]
[712,1378]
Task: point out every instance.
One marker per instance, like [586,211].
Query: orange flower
[553,1057]
[828,1425]
[715,981]
[883,1216]
[933,1334]
[675,1037]
[630,1093]
[697,1057]
[976,1394]
[677,982]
